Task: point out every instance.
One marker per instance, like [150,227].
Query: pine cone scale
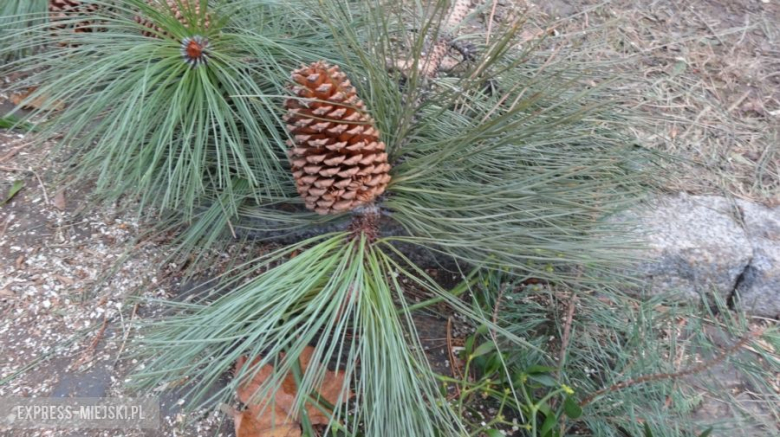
[64,12]
[175,6]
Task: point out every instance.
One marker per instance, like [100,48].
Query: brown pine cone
[63,5]
[63,10]
[338,160]
[190,6]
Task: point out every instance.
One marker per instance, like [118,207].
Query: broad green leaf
[469,346]
[572,408]
[493,364]
[484,348]
[545,380]
[13,191]
[539,369]
[548,425]
[545,409]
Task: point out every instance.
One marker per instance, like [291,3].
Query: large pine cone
[337,159]
[65,10]
[191,7]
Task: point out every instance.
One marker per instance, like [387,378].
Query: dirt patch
[65,317]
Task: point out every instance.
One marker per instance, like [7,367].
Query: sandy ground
[706,76]
[65,312]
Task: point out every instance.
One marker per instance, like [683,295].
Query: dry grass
[704,75]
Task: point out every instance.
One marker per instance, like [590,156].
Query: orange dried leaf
[283,401]
[59,201]
[40,102]
[250,423]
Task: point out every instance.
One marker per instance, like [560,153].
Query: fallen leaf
[250,423]
[6,293]
[246,391]
[59,200]
[39,102]
[329,390]
[19,262]
[64,280]
[283,401]
[13,191]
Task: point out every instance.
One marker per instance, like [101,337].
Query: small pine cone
[337,159]
[458,12]
[175,7]
[63,10]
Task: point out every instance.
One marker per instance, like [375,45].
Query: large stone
[694,246]
[758,291]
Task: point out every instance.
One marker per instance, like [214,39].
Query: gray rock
[694,246]
[758,292]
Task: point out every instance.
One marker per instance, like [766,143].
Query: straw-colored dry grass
[703,74]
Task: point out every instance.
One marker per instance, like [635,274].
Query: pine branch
[676,375]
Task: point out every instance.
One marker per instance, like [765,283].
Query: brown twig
[12,169]
[680,356]
[92,346]
[495,310]
[99,335]
[685,372]
[567,331]
[43,187]
[13,152]
[490,22]
[5,225]
[565,339]
[453,368]
[232,230]
[567,324]
[126,334]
